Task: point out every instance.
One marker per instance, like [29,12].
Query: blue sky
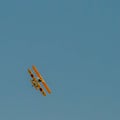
[74,44]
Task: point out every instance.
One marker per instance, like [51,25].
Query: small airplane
[37,80]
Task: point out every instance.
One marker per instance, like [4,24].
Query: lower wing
[39,86]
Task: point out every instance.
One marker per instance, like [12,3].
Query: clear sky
[75,44]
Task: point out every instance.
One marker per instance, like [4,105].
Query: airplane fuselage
[35,84]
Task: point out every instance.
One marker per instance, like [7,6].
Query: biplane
[37,80]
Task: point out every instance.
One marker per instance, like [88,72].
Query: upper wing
[42,80]
[40,88]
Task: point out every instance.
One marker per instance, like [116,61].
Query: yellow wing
[40,88]
[42,80]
